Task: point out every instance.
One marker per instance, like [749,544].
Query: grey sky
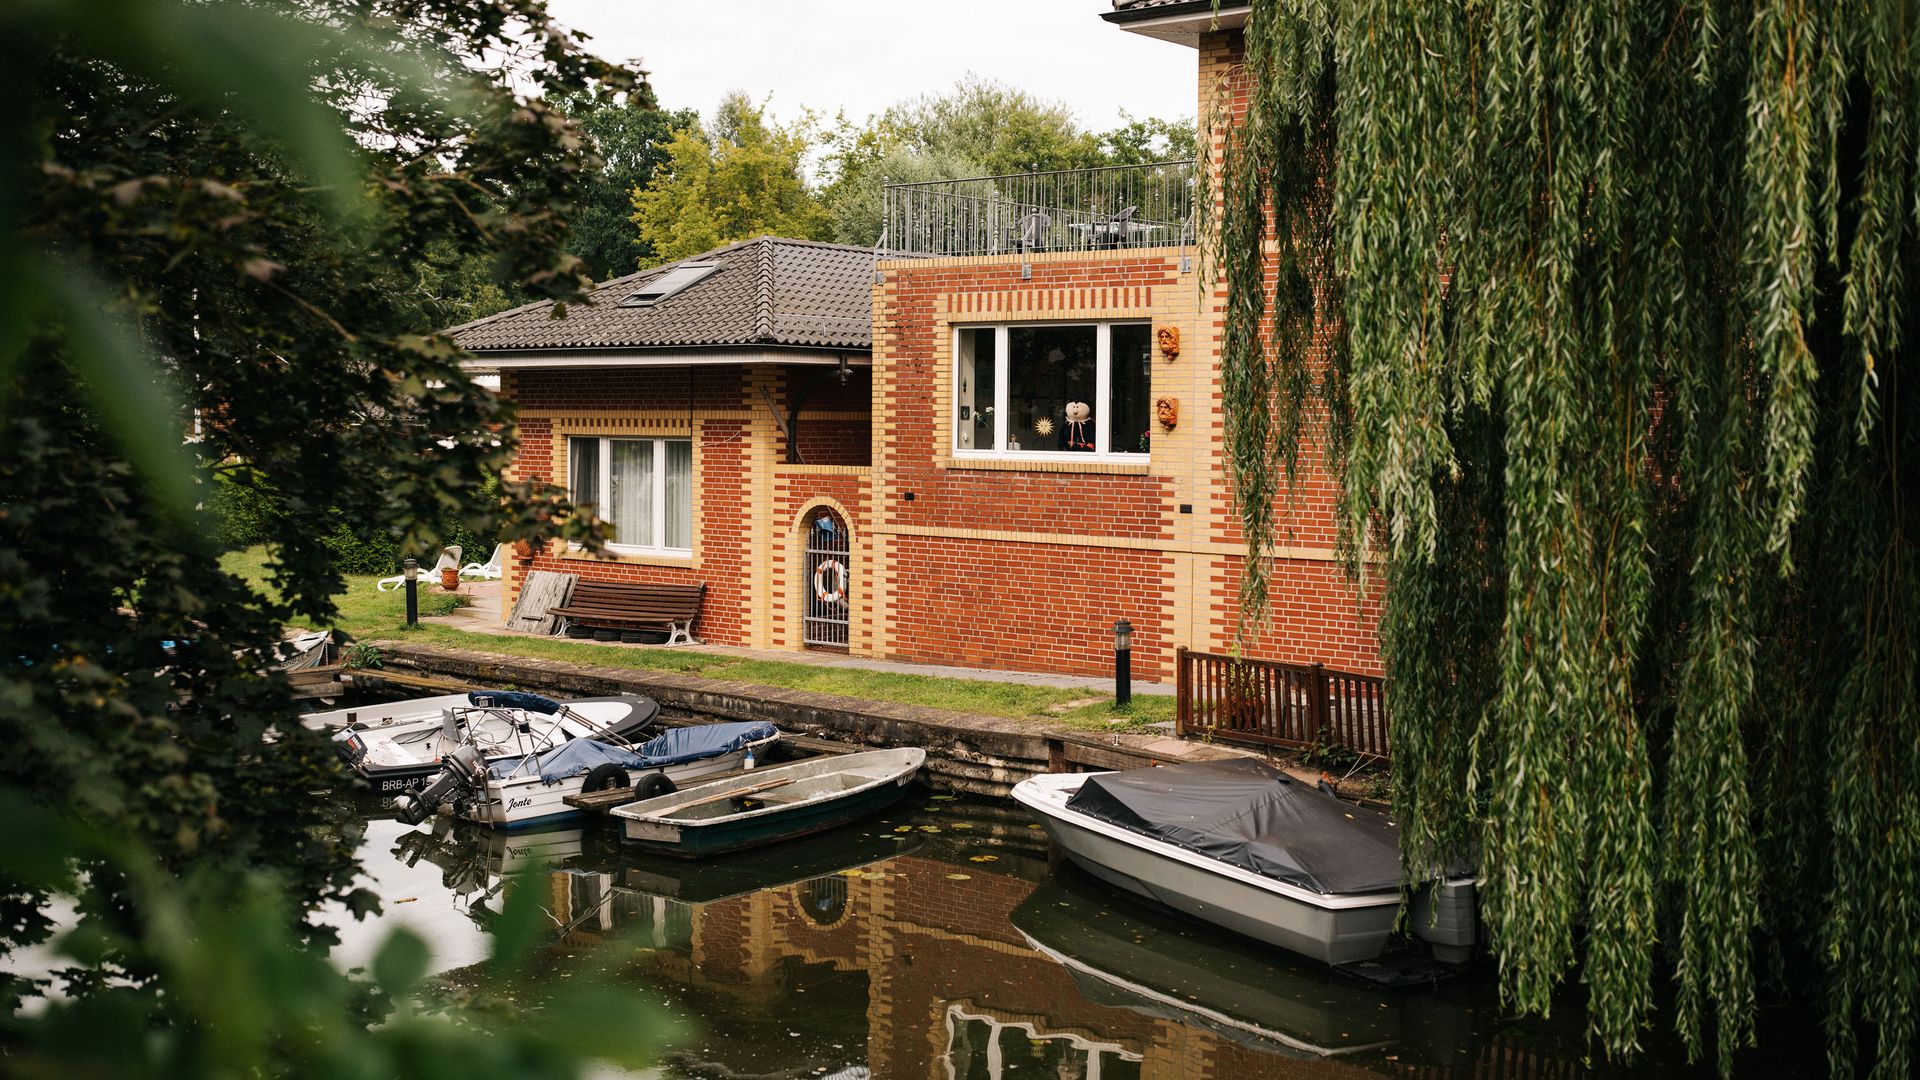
[862,55]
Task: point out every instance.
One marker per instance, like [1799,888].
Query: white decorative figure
[1078,413]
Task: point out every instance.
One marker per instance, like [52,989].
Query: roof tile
[767,291]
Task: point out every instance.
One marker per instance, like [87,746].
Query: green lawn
[372,616]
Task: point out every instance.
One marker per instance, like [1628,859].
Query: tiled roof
[767,291]
[1142,5]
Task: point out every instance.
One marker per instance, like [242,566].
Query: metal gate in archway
[828,582]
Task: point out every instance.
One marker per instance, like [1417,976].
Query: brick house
[1004,432]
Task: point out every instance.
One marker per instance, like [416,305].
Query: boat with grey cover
[770,805]
[1244,846]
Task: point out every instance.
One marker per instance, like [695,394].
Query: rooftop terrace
[1100,209]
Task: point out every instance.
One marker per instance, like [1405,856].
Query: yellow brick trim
[1080,304]
[1130,543]
[1040,258]
[661,417]
[788,469]
[763,383]
[1114,468]
[626,558]
[659,425]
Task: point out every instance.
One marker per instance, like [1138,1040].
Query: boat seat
[781,797]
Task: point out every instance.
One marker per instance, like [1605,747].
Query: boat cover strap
[1250,815]
[673,747]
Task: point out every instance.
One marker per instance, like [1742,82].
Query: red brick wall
[1030,607]
[1039,607]
[673,388]
[835,424]
[720,457]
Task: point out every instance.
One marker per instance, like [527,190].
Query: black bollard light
[1122,663]
[412,570]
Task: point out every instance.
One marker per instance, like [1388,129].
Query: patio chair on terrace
[491,570]
[1030,232]
[449,560]
[1116,230]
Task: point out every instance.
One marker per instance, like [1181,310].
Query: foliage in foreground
[212,980]
[216,217]
[1615,301]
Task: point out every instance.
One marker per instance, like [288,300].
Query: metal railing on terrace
[1115,206]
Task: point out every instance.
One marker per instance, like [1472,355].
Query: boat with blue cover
[531,790]
[770,805]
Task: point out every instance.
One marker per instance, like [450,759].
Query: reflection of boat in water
[792,863]
[1125,954]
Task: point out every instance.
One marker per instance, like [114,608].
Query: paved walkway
[483,617]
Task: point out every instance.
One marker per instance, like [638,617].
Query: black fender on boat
[604,776]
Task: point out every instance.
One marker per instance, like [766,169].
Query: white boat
[384,713]
[528,791]
[771,805]
[402,749]
[1243,846]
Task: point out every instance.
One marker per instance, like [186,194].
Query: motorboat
[531,789]
[401,747]
[1244,846]
[770,805]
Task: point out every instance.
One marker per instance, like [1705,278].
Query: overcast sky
[862,55]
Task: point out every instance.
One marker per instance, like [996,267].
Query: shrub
[243,510]
[374,553]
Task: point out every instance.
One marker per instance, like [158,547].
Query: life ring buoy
[838,592]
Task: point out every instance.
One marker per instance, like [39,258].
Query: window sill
[1064,464]
[629,558]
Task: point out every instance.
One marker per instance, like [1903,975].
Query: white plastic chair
[449,560]
[491,570]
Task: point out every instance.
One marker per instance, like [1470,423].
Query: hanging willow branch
[1597,310]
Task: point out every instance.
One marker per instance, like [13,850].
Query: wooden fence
[1273,704]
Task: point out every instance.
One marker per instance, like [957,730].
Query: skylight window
[669,283]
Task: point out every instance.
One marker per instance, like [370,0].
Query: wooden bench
[618,605]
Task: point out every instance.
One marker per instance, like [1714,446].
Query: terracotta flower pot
[450,579]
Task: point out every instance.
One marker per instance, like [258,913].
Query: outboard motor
[1445,916]
[461,770]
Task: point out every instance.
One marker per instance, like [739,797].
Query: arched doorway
[828,581]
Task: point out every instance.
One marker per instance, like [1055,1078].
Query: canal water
[944,940]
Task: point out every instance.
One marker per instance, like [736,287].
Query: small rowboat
[771,805]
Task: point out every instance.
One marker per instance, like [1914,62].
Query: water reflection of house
[953,991]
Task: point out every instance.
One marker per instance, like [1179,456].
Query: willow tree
[1609,302]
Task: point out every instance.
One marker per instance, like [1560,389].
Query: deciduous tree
[738,178]
[1601,313]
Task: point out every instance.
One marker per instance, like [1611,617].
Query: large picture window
[644,487]
[1053,389]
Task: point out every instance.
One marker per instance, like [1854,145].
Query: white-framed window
[1041,389]
[644,487]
